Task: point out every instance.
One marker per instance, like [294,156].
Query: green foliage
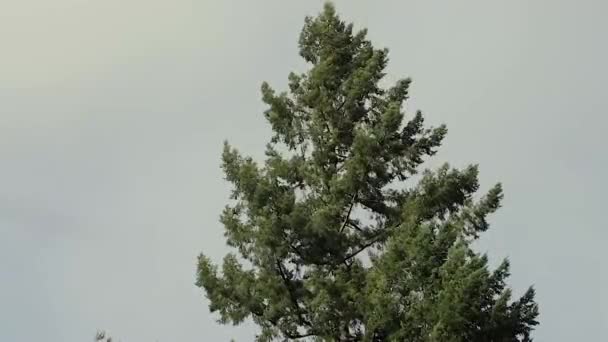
[101,336]
[333,188]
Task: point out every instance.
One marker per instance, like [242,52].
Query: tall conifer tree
[333,244]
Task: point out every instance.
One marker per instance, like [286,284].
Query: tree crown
[331,191]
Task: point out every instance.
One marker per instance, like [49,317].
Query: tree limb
[292,296]
[350,209]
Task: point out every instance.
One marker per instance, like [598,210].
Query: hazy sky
[113,112]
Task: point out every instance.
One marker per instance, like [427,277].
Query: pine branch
[292,295]
[353,225]
[361,249]
[350,209]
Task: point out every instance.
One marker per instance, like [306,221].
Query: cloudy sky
[112,116]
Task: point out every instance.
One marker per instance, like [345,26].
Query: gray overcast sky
[112,116]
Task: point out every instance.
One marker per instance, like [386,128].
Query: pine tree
[334,241]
